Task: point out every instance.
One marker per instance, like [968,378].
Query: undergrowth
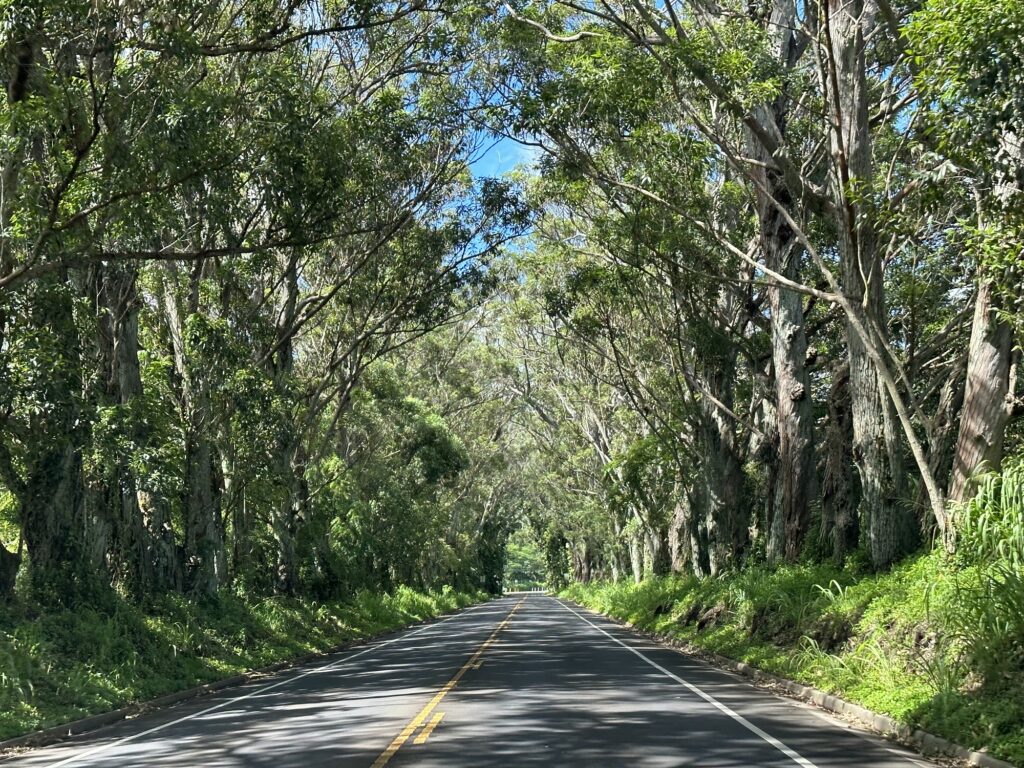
[56,666]
[937,642]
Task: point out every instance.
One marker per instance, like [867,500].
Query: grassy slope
[59,666]
[886,641]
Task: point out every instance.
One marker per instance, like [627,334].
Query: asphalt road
[517,681]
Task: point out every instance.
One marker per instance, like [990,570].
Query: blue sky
[502,155]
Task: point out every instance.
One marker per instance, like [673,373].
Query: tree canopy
[267,327]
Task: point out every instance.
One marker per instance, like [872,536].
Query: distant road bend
[523,680]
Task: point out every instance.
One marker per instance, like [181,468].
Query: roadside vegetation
[61,665]
[937,642]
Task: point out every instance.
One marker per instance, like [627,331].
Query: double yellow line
[424,713]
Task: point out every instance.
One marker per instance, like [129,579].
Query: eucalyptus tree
[427,276]
[668,340]
[196,170]
[807,106]
[569,425]
[964,53]
[462,370]
[645,154]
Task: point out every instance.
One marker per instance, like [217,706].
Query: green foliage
[386,520]
[990,526]
[525,566]
[911,643]
[556,560]
[986,615]
[967,61]
[265,337]
[209,242]
[57,666]
[967,51]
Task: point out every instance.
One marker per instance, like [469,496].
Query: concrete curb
[927,744]
[58,733]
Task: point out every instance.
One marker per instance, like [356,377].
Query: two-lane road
[517,681]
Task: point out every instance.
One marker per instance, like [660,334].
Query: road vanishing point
[522,680]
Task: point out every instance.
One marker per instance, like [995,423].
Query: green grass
[56,666]
[937,642]
[897,642]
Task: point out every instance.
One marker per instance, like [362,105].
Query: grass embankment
[59,666]
[908,643]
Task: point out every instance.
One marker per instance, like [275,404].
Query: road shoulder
[853,715]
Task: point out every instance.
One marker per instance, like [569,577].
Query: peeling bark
[722,476]
[988,402]
[680,555]
[877,448]
[792,478]
[794,485]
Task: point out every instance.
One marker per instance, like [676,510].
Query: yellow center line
[428,729]
[424,713]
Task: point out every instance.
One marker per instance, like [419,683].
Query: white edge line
[263,689]
[787,751]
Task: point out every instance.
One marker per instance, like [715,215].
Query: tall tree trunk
[204,544]
[987,395]
[143,543]
[160,565]
[791,469]
[51,502]
[942,440]
[290,456]
[618,566]
[582,563]
[726,523]
[697,532]
[658,547]
[291,513]
[124,543]
[839,520]
[680,555]
[205,561]
[202,535]
[726,531]
[636,561]
[876,440]
[235,510]
[761,451]
[794,485]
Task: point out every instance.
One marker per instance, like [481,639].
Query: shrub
[985,613]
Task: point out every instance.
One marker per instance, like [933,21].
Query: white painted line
[787,751]
[263,689]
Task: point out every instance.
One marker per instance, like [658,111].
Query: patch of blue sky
[502,155]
